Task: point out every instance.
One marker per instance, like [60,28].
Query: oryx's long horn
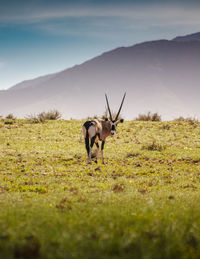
[120,108]
[108,107]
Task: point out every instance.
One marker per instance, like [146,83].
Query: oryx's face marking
[113,128]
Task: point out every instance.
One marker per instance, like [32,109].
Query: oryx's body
[99,129]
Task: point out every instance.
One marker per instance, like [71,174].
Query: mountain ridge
[188,37]
[159,76]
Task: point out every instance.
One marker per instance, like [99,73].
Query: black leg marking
[102,145]
[87,145]
[97,145]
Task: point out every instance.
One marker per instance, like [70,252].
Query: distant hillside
[159,76]
[189,37]
[32,83]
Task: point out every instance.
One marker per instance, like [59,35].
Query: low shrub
[44,116]
[187,119]
[9,122]
[165,126]
[9,119]
[35,119]
[10,116]
[154,146]
[132,154]
[149,117]
[50,115]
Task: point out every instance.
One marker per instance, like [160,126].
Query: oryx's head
[114,122]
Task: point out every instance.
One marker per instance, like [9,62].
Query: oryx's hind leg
[87,141]
[87,145]
[92,134]
[89,133]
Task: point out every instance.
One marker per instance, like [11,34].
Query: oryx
[99,129]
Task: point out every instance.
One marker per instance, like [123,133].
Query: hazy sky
[46,36]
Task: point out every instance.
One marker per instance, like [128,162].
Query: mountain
[32,83]
[159,76]
[189,37]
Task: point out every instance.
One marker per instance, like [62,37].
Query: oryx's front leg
[97,152]
[102,147]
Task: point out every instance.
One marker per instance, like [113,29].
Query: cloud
[109,20]
[99,22]
[38,14]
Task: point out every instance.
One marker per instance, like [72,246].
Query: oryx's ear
[120,121]
[106,119]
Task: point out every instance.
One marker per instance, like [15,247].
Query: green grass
[143,203]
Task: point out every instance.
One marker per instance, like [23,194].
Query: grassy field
[143,203]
